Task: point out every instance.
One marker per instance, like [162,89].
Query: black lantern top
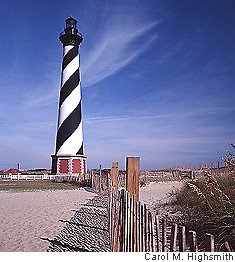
[71,22]
[70,35]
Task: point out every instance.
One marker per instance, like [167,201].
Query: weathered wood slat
[130,217]
[173,238]
[192,236]
[142,228]
[134,223]
[182,239]
[127,228]
[115,235]
[137,226]
[164,239]
[157,233]
[151,232]
[209,243]
[228,247]
[145,247]
[122,221]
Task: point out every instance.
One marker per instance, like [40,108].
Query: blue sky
[157,80]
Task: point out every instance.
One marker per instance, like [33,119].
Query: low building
[12,171]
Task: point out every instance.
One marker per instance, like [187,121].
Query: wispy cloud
[117,45]
[168,52]
[34,100]
[199,112]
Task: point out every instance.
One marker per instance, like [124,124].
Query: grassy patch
[34,185]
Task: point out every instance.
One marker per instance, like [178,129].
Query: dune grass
[207,205]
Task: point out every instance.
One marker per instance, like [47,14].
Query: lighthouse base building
[69,165]
[69,158]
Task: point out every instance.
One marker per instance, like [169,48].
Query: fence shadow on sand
[87,230]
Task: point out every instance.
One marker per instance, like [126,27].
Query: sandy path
[27,216]
[156,193]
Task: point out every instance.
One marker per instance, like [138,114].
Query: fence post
[209,243]
[173,237]
[182,239]
[133,175]
[192,236]
[114,174]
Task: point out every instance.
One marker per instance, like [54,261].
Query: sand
[157,193]
[27,216]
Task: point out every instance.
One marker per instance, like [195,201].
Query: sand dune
[157,193]
[27,216]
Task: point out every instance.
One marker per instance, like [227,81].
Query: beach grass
[208,206]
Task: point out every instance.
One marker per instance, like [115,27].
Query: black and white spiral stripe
[69,134]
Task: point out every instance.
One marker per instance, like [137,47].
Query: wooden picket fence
[81,179]
[134,228]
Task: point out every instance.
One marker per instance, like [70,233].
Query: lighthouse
[69,158]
